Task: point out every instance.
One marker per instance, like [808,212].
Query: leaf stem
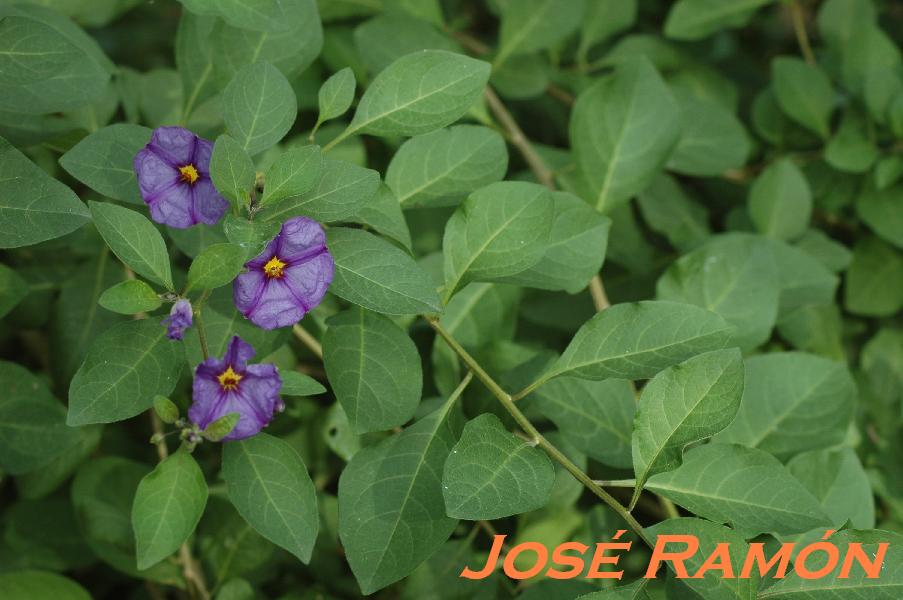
[597,291]
[348,132]
[799,27]
[308,340]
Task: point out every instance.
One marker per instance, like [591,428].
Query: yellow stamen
[228,379]
[189,174]
[274,268]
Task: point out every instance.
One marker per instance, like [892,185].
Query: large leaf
[372,273]
[103,160]
[838,480]
[268,484]
[696,19]
[712,140]
[804,93]
[793,402]
[259,107]
[374,369]
[168,505]
[684,404]
[259,15]
[530,25]
[780,201]
[126,367]
[746,488]
[623,129]
[874,281]
[31,584]
[12,289]
[33,206]
[880,210]
[491,473]
[294,173]
[420,92]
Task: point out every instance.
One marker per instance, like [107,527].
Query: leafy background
[736,164]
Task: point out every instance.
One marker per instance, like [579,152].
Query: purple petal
[180,318]
[309,280]
[299,238]
[174,144]
[155,175]
[173,207]
[256,401]
[209,206]
[275,306]
[203,150]
[238,353]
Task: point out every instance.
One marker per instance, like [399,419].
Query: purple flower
[174,178]
[179,320]
[288,279]
[232,386]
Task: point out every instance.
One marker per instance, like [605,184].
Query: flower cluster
[276,289]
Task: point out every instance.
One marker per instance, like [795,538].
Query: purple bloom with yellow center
[179,319]
[230,385]
[288,279]
[174,179]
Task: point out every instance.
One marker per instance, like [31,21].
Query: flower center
[274,268]
[189,174]
[228,379]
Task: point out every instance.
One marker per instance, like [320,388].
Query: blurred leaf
[780,201]
[696,19]
[804,93]
[529,25]
[874,281]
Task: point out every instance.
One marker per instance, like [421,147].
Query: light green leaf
[668,210]
[217,265]
[732,275]
[804,93]
[341,191]
[194,60]
[269,486]
[259,15]
[126,367]
[299,384]
[595,416]
[874,281]
[34,207]
[440,168]
[623,129]
[251,236]
[828,251]
[712,140]
[793,402]
[336,95]
[803,278]
[883,212]
[491,473]
[259,107]
[420,92]
[696,19]
[837,19]
[780,201]
[603,20]
[134,240]
[376,275]
[684,404]
[294,173]
[12,289]
[383,215]
[637,340]
[130,297]
[382,40]
[374,369]
[391,511]
[31,584]
[232,171]
[852,148]
[530,25]
[500,230]
[714,483]
[816,328]
[836,478]
[168,505]
[103,160]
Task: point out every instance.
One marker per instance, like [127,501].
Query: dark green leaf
[232,171]
[103,161]
[259,107]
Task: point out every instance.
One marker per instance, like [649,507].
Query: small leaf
[696,19]
[259,15]
[215,266]
[259,107]
[232,171]
[12,289]
[130,297]
[251,236]
[530,25]
[294,173]
[299,384]
[852,148]
[221,427]
[603,20]
[134,240]
[31,584]
[492,474]
[374,369]
[874,280]
[712,139]
[166,409]
[881,210]
[168,505]
[804,93]
[382,40]
[780,201]
[336,95]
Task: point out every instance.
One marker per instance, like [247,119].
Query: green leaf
[232,171]
[251,236]
[134,240]
[803,279]
[220,428]
[383,215]
[696,19]
[31,584]
[852,148]
[374,274]
[47,63]
[874,281]
[603,20]
[216,266]
[804,93]
[299,384]
[491,473]
[103,161]
[595,416]
[34,207]
[126,367]
[259,15]
[268,484]
[194,60]
[166,409]
[732,275]
[837,19]
[780,201]
[623,129]
[576,248]
[714,483]
[442,167]
[633,591]
[336,95]
[500,230]
[668,210]
[637,340]
[881,210]
[259,107]
[130,297]
[530,25]
[168,505]
[294,173]
[374,369]
[32,422]
[391,511]
[382,40]
[836,478]
[684,404]
[829,252]
[420,92]
[12,289]
[793,402]
[712,139]
[341,191]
